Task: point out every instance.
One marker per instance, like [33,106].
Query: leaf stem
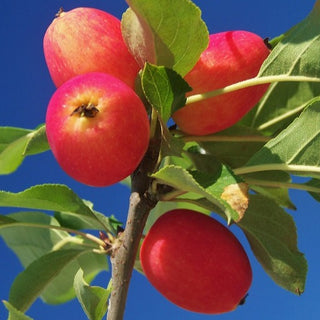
[222,138]
[278,167]
[249,83]
[287,185]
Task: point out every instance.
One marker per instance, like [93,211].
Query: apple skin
[231,57]
[102,145]
[87,40]
[196,262]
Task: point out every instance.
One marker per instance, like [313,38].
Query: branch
[142,200]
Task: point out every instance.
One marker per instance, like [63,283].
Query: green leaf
[164,89]
[164,32]
[294,150]
[17,143]
[31,282]
[211,187]
[297,53]
[92,299]
[80,222]
[279,195]
[30,243]
[272,235]
[314,183]
[53,197]
[234,146]
[15,314]
[30,235]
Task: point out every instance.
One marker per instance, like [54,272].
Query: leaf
[80,222]
[208,186]
[166,33]
[164,89]
[92,299]
[297,53]
[53,197]
[234,146]
[30,283]
[314,183]
[29,235]
[15,314]
[272,235]
[294,150]
[279,195]
[30,243]
[17,143]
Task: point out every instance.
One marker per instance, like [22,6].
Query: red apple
[97,128]
[231,57]
[196,262]
[87,40]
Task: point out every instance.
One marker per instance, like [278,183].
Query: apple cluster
[98,130]
[97,126]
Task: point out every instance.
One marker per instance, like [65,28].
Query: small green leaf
[297,53]
[211,187]
[31,282]
[15,314]
[37,142]
[164,89]
[294,150]
[164,32]
[11,134]
[92,299]
[17,143]
[272,235]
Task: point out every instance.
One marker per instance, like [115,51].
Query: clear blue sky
[26,88]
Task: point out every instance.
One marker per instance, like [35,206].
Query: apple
[87,40]
[196,262]
[231,57]
[97,128]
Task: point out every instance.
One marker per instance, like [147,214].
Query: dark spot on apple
[86,110]
[243,300]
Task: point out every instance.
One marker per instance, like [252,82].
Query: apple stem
[249,83]
[142,200]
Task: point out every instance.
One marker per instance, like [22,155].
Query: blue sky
[26,88]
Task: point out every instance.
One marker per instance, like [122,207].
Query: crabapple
[97,128]
[196,262]
[231,57]
[87,40]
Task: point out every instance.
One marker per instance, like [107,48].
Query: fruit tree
[206,131]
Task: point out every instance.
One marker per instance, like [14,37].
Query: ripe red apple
[231,57]
[196,262]
[87,40]
[97,128]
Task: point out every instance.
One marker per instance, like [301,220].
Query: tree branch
[142,200]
